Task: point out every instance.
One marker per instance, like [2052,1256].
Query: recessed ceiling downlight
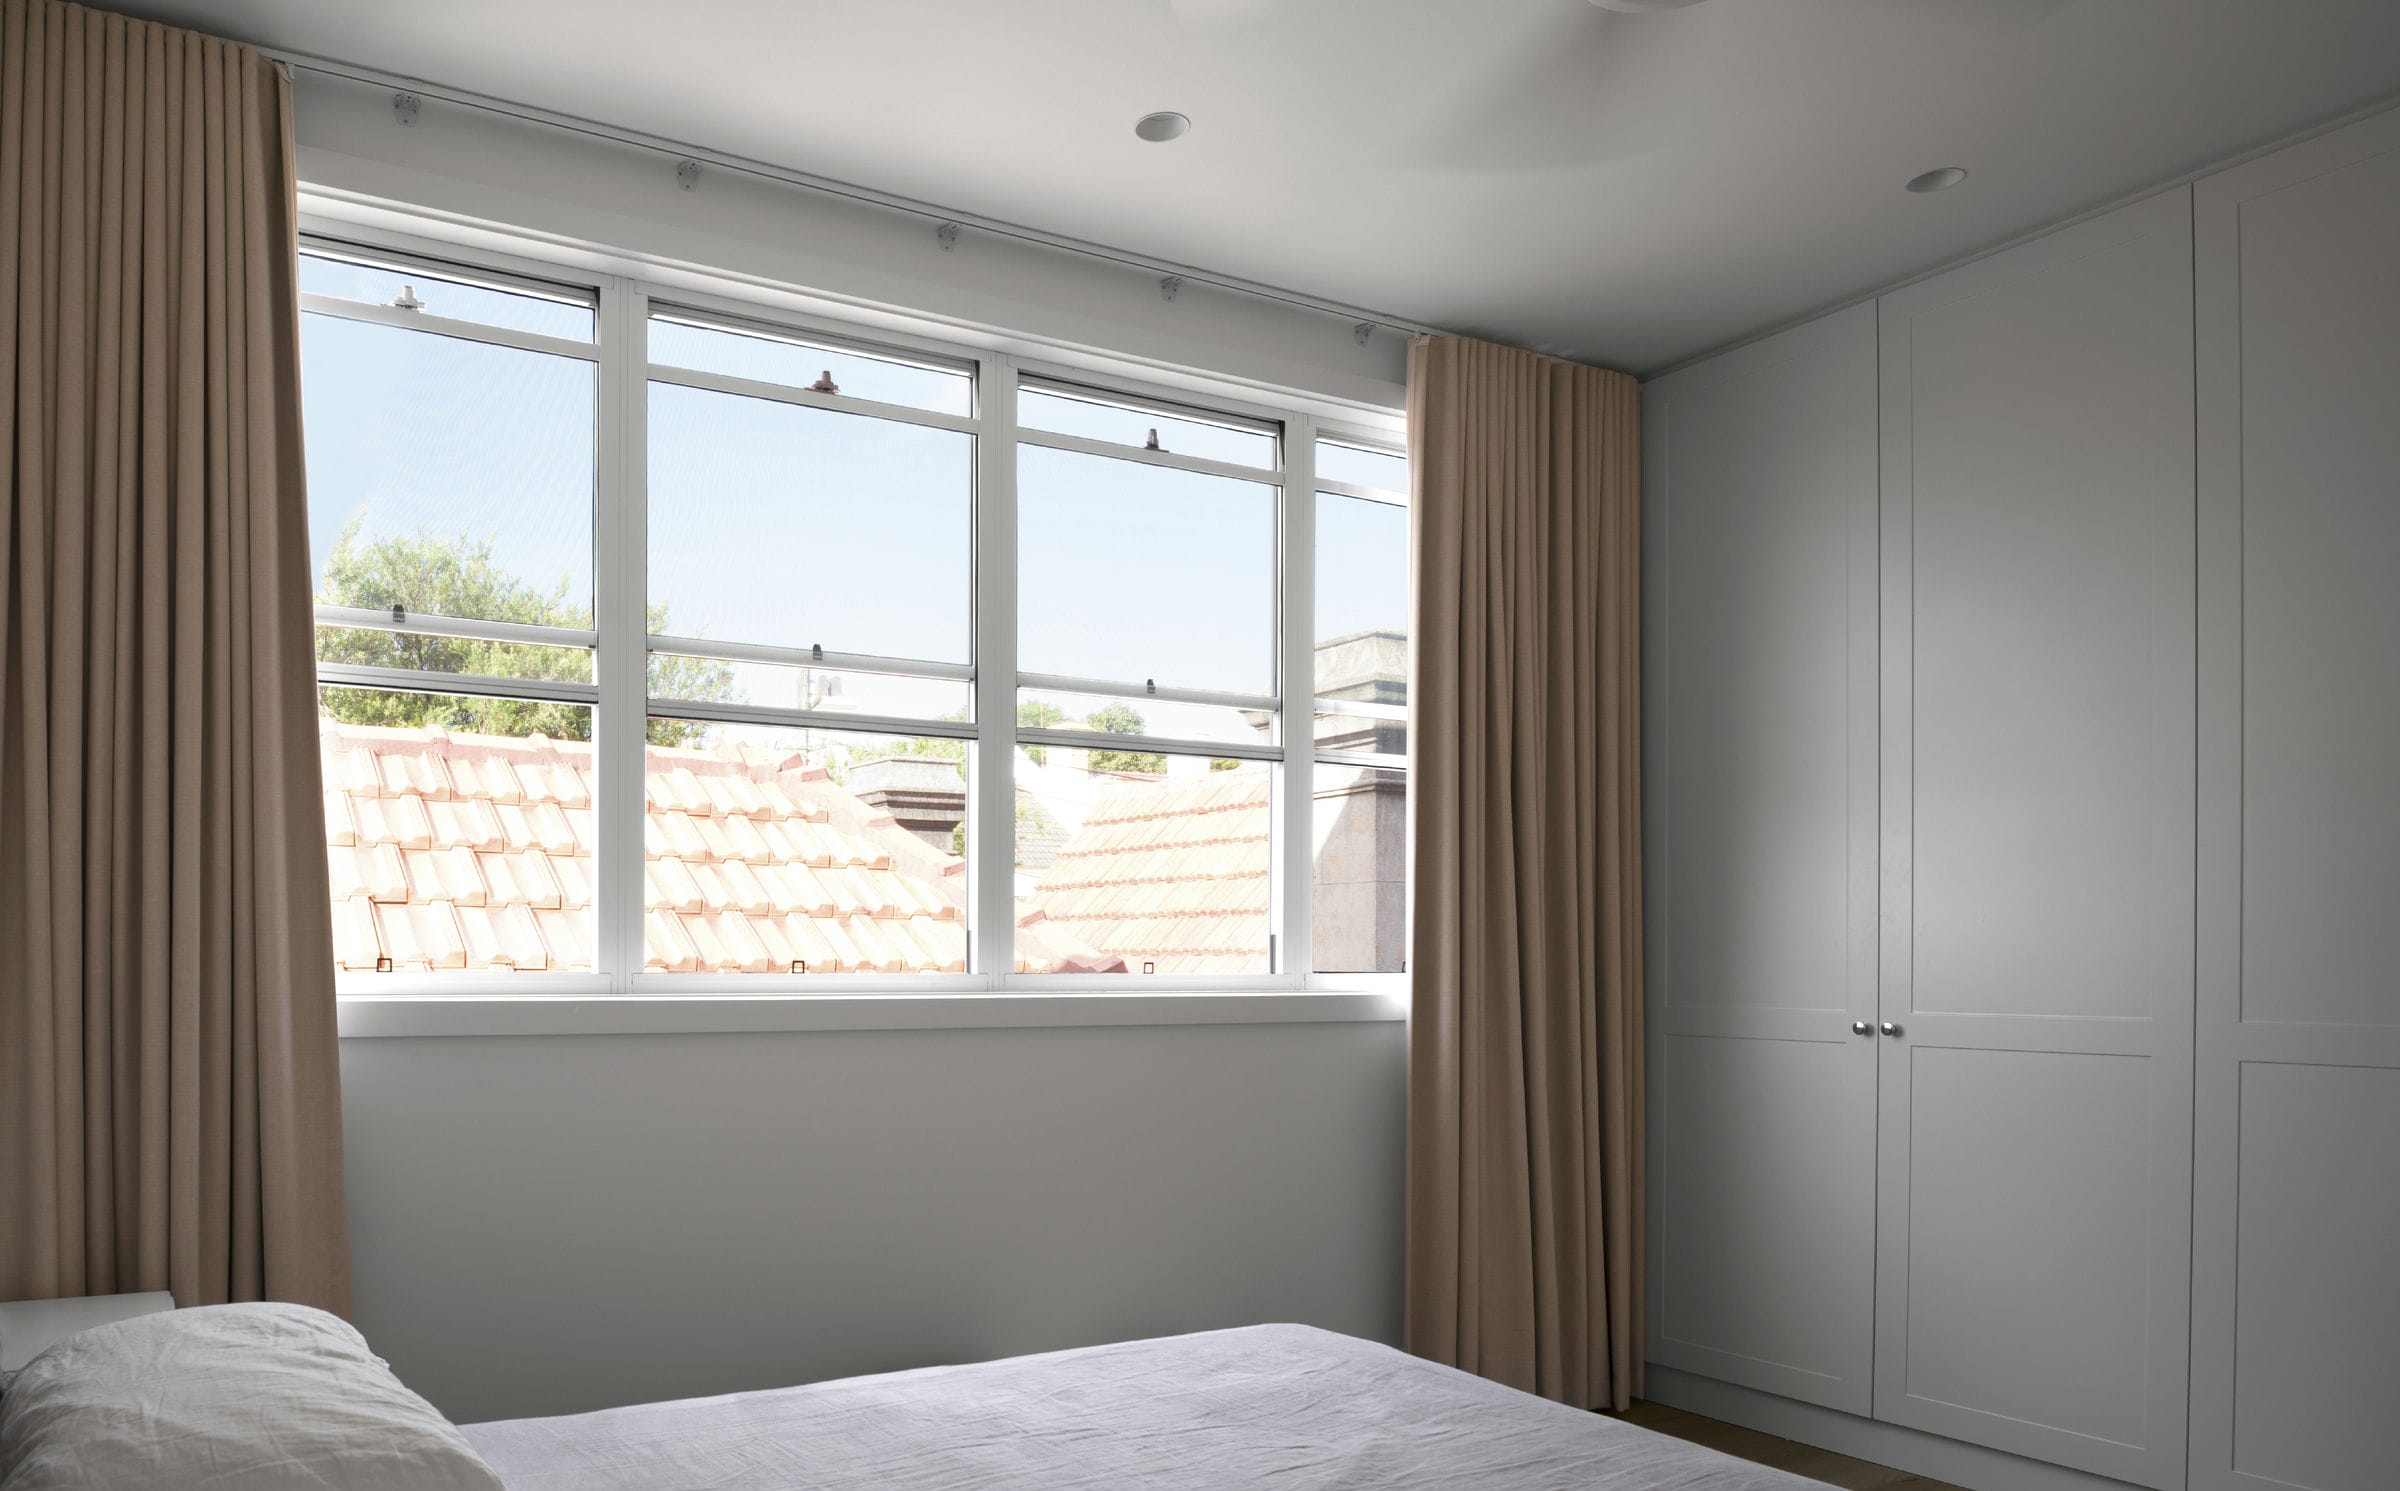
[1939,179]
[1161,127]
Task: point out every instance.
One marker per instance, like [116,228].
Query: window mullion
[622,615]
[992,866]
[1296,777]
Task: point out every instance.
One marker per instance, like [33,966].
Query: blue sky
[780,524]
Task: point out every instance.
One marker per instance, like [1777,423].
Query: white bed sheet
[1282,1406]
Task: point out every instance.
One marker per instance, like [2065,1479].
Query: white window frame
[618,995]
[505,273]
[1285,972]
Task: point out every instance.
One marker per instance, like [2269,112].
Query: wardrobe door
[2037,868]
[1759,773]
[2296,1252]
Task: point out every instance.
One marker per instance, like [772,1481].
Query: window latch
[1152,442]
[399,615]
[407,300]
[825,383]
[816,652]
[1150,684]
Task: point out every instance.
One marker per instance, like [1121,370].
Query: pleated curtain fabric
[1525,1090]
[169,1107]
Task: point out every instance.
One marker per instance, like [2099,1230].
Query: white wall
[547,1224]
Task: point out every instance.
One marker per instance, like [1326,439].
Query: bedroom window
[810,543]
[672,644]
[452,443]
[1148,711]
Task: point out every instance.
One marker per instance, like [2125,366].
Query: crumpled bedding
[1283,1406]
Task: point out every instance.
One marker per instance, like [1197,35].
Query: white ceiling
[1622,188]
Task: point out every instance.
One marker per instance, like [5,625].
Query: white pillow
[29,1325]
[226,1398]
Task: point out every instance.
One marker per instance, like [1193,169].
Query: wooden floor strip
[1783,1454]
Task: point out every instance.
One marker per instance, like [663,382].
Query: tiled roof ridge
[1166,797]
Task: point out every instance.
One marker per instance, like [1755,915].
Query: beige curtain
[169,1114]
[1524,1239]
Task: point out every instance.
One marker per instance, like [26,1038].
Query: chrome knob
[1890,1028]
[1861,1027]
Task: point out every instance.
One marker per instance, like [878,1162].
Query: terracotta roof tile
[743,841]
[876,952]
[668,884]
[734,797]
[341,825]
[782,807]
[574,878]
[488,777]
[351,772]
[397,820]
[357,943]
[676,790]
[372,872]
[670,946]
[443,875]
[792,890]
[525,879]
[412,774]
[422,936]
[503,937]
[568,937]
[806,944]
[744,892]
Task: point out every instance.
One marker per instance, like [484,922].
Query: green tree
[1121,719]
[438,576]
[1039,714]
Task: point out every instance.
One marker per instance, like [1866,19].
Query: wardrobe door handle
[1861,1027]
[1890,1029]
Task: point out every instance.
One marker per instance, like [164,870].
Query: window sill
[434,1015]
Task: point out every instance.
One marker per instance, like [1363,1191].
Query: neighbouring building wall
[548,1224]
[1358,913]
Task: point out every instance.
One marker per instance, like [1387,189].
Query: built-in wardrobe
[2022,811]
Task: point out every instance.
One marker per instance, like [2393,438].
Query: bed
[281,1397]
[1282,1406]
